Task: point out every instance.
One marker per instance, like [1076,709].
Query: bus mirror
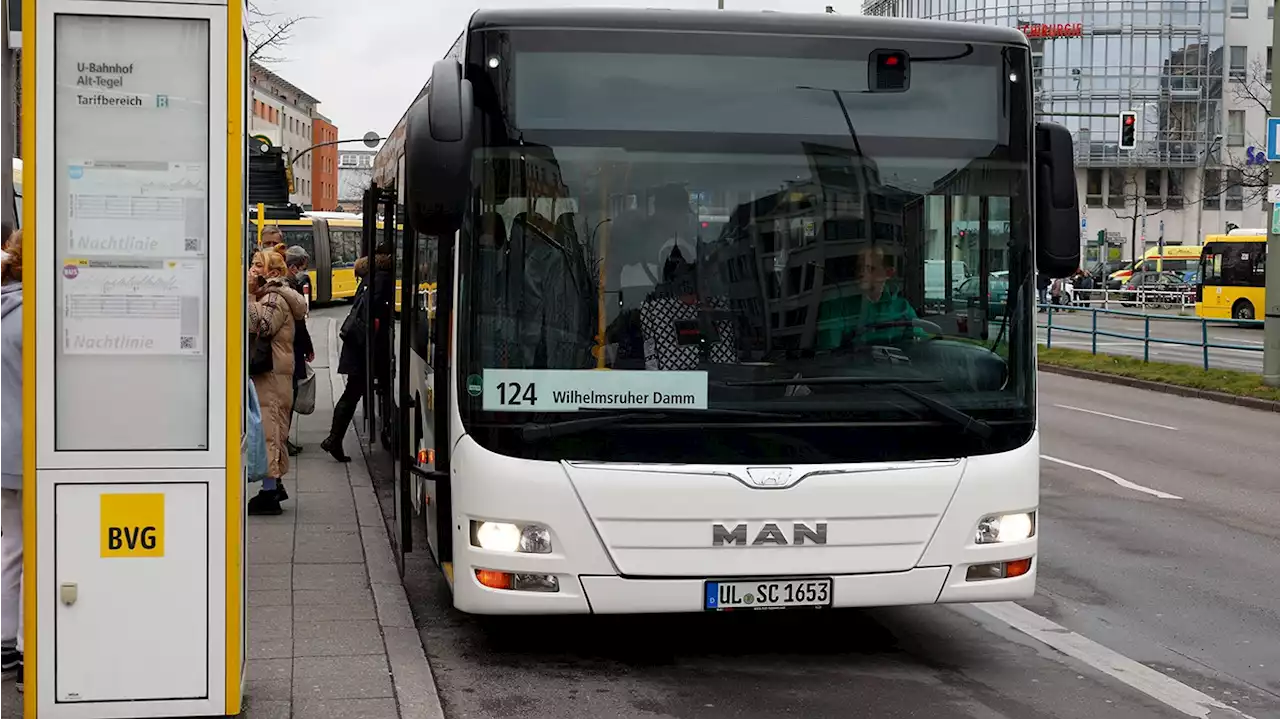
[437,152]
[1057,202]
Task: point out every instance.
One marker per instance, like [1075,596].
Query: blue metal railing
[1147,340]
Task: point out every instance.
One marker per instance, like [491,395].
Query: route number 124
[513,394]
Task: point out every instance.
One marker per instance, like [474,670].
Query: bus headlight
[507,537]
[1006,528]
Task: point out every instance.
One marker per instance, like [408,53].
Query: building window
[1212,190]
[1093,188]
[1239,59]
[1153,194]
[1117,192]
[1239,8]
[1174,192]
[1235,128]
[1235,190]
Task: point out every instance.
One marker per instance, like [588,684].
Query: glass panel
[762,217]
[1235,128]
[131,233]
[1175,191]
[1118,189]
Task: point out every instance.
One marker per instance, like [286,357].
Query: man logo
[769,534]
[769,476]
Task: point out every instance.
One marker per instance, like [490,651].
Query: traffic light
[1128,129]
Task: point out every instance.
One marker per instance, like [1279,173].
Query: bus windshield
[754,209]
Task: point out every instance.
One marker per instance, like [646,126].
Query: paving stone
[337,638]
[302,597]
[328,546]
[276,648]
[347,709]
[338,577]
[266,709]
[334,612]
[358,677]
[268,598]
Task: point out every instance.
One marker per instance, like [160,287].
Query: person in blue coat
[11,451]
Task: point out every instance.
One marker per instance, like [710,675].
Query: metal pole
[1271,323]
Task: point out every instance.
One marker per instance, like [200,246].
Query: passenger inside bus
[878,314]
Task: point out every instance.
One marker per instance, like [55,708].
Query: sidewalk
[330,632]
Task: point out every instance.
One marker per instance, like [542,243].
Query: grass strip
[1241,384]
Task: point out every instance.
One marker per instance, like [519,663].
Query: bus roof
[1234,237]
[768,23]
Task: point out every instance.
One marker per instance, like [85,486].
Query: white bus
[675,355]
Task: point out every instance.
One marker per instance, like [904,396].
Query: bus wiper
[865,380]
[967,422]
[594,421]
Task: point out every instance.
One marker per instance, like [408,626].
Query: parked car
[1156,288]
[997,293]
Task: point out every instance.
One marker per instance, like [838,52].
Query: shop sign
[1071,29]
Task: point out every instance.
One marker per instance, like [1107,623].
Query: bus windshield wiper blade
[836,380]
[594,420]
[967,422]
[898,384]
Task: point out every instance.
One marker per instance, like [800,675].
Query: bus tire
[1243,310]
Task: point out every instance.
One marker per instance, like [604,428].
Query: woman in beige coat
[273,307]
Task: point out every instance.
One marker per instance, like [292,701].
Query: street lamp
[1204,163]
[370,139]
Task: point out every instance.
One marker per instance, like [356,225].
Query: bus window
[1235,264]
[344,246]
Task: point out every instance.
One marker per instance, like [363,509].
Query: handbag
[260,356]
[306,401]
[353,327]
[255,438]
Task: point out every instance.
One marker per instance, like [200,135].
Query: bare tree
[1252,90]
[1136,209]
[269,31]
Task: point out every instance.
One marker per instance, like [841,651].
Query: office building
[1189,69]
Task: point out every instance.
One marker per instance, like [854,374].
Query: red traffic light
[891,61]
[1129,119]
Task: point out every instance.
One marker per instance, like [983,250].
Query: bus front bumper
[621,595]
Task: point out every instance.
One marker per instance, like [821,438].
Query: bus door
[387,352]
[321,269]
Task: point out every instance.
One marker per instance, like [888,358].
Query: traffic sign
[1275,219]
[1273,193]
[1273,139]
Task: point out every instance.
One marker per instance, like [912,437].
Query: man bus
[620,408]
[1233,277]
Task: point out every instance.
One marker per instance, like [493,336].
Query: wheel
[1242,310]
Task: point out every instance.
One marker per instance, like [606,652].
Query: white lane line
[1115,416]
[1172,692]
[1118,480]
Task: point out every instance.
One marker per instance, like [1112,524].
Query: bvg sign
[132,525]
[1071,29]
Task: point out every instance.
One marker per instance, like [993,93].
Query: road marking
[1115,416]
[1172,692]
[1118,480]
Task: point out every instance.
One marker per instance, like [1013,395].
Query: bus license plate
[767,594]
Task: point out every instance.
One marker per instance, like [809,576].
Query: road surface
[1160,538]
[1243,360]
[1185,587]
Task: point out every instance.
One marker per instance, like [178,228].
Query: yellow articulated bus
[333,244]
[1174,258]
[1233,277]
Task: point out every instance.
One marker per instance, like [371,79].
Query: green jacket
[856,317]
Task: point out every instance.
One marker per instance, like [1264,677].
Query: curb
[417,696]
[1265,405]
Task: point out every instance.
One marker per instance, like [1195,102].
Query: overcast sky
[366,59]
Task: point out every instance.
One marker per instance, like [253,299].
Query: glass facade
[1161,58]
